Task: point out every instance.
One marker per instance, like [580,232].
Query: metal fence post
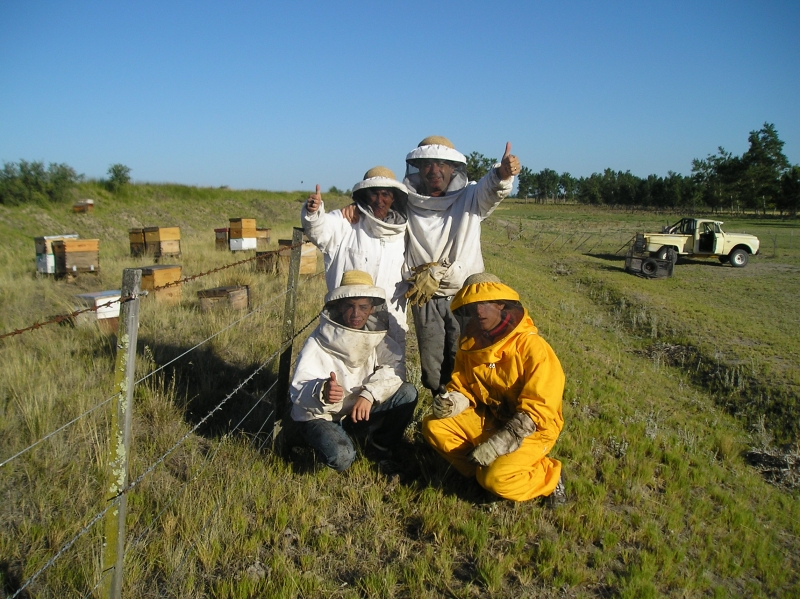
[285,364]
[120,435]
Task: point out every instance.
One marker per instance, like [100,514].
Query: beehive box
[263,237]
[236,297]
[244,243]
[106,314]
[159,275]
[136,238]
[73,256]
[45,259]
[221,238]
[242,228]
[162,241]
[83,206]
[308,257]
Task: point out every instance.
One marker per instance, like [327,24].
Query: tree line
[761,179]
[26,182]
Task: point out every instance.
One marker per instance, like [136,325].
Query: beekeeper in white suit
[445,212]
[374,243]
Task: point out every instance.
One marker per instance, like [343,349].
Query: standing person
[349,371]
[374,244]
[445,213]
[501,413]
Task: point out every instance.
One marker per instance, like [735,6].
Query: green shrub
[29,182]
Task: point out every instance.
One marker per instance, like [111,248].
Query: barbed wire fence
[119,485]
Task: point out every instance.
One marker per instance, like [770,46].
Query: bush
[29,182]
[119,176]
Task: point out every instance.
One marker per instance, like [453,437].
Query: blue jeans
[334,446]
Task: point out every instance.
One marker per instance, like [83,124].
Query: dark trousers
[437,336]
[334,446]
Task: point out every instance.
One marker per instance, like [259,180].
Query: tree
[29,182]
[525,183]
[119,176]
[764,163]
[478,165]
[789,197]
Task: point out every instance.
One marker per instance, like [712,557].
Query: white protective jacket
[366,362]
[447,229]
[370,245]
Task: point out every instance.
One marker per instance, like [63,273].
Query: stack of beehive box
[83,206]
[159,275]
[235,297]
[73,256]
[242,234]
[106,313]
[162,241]
[221,240]
[45,259]
[136,237]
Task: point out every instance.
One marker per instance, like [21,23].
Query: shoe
[558,497]
[377,452]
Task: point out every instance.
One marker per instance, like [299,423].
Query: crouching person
[350,374]
[501,413]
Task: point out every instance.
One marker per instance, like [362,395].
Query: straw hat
[436,147]
[381,177]
[357,283]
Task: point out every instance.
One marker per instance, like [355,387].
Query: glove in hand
[483,454]
[423,285]
[449,404]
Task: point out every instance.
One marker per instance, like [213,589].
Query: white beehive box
[243,243]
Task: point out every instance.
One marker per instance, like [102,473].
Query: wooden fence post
[120,435]
[289,313]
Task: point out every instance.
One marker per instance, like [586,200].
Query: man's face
[436,175]
[488,314]
[355,311]
[380,200]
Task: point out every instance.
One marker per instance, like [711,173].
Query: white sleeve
[491,190]
[390,371]
[325,231]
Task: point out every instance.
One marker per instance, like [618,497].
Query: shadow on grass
[202,380]
[609,257]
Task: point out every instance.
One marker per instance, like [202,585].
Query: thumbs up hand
[332,392]
[314,201]
[509,165]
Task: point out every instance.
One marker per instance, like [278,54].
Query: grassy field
[680,407]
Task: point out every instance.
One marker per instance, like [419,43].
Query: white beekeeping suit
[372,245]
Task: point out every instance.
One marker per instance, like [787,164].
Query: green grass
[661,405]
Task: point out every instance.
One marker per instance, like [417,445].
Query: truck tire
[664,253]
[649,267]
[738,258]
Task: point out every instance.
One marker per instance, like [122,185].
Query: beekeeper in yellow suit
[501,413]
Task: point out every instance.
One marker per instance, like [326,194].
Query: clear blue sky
[280,95]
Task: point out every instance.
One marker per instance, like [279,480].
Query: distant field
[681,412]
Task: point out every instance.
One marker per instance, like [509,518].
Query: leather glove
[424,283]
[504,441]
[449,404]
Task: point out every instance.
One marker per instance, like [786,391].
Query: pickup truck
[702,238]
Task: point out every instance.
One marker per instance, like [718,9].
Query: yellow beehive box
[159,275]
[263,237]
[73,256]
[83,206]
[152,234]
[44,245]
[136,238]
[308,257]
[242,228]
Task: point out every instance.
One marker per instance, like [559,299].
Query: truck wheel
[738,258]
[664,253]
[649,267]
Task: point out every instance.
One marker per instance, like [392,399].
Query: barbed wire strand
[66,546]
[206,340]
[215,509]
[99,582]
[61,428]
[104,402]
[65,317]
[206,464]
[205,418]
